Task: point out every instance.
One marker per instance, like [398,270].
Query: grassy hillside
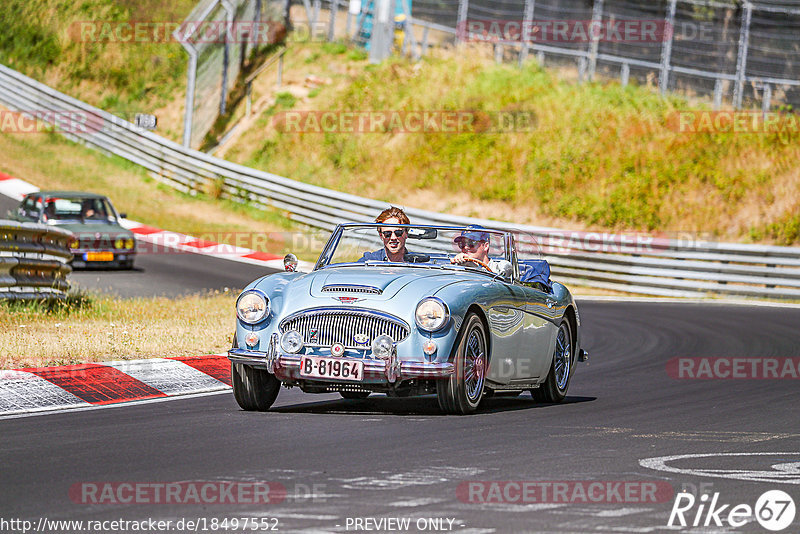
[599,156]
[40,39]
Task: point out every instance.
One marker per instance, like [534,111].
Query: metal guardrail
[651,265]
[33,261]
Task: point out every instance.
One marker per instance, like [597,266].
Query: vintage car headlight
[119,243]
[129,243]
[292,342]
[432,314]
[382,347]
[252,306]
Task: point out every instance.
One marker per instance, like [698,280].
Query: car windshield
[76,208]
[414,246]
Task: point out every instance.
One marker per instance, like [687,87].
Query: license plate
[331,368]
[99,256]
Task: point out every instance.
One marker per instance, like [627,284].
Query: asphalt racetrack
[336,465]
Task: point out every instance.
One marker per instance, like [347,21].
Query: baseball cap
[474,232]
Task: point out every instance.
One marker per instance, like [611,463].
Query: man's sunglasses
[388,233]
[468,243]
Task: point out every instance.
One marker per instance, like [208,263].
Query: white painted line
[90,407]
[621,512]
[781,473]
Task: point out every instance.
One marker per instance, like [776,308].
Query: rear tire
[462,392]
[254,389]
[353,395]
[554,388]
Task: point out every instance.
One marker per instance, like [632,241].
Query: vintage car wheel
[254,389]
[463,391]
[352,395]
[554,388]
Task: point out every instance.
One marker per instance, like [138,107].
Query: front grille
[337,325]
[352,288]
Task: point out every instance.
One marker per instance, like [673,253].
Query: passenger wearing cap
[474,244]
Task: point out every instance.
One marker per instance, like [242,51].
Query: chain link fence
[741,53]
[219,36]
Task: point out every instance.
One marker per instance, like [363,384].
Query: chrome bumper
[287,367]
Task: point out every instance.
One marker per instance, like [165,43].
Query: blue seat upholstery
[535,271]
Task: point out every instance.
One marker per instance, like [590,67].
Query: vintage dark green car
[100,241]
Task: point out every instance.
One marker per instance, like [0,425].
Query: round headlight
[382,347]
[119,243]
[432,314]
[252,306]
[74,243]
[292,342]
[129,243]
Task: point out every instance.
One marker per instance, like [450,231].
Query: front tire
[254,389]
[462,392]
[554,388]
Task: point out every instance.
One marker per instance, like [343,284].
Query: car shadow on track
[426,405]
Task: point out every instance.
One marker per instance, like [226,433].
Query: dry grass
[112,329]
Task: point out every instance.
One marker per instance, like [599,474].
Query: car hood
[96,228]
[369,287]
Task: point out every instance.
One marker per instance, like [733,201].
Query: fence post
[332,20]
[226,52]
[624,75]
[666,49]
[741,59]
[597,20]
[581,69]
[717,94]
[527,20]
[766,101]
[461,25]
[381,40]
[317,7]
[191,78]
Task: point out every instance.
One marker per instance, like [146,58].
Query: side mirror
[505,269]
[290,263]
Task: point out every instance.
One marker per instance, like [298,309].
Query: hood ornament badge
[348,300]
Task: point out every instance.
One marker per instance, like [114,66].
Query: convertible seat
[536,271]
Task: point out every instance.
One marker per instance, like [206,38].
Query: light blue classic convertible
[431,322]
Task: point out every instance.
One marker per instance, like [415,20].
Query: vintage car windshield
[425,246]
[79,209]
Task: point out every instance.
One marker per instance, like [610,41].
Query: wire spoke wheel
[462,392]
[562,357]
[554,388]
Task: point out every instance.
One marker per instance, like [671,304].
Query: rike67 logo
[774,510]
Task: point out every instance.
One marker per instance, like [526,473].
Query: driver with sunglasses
[394,239]
[474,245]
